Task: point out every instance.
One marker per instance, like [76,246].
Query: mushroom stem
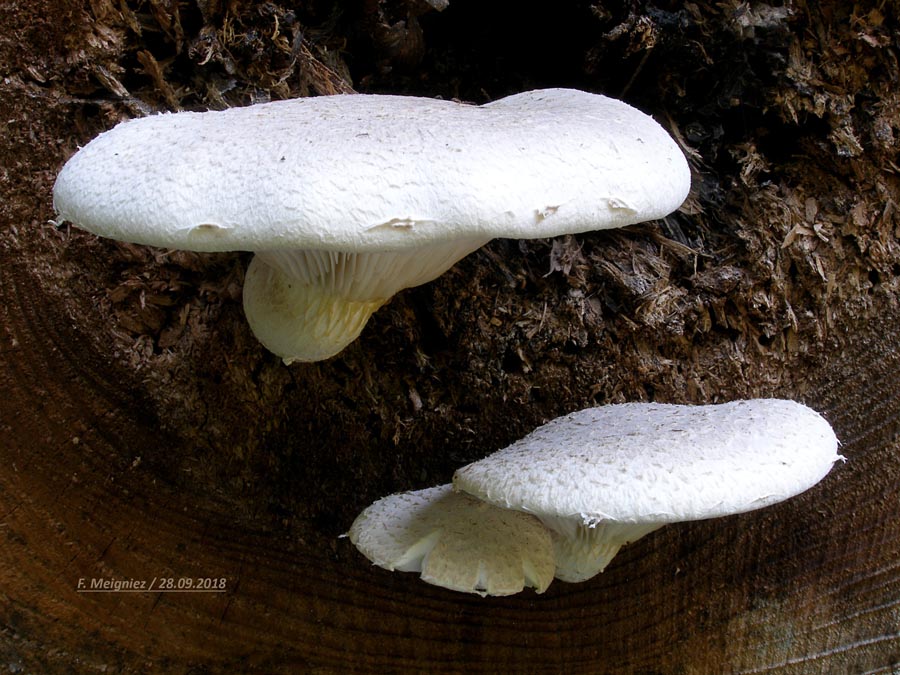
[583,550]
[299,322]
[307,305]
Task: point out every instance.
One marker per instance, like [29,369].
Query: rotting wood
[146,434]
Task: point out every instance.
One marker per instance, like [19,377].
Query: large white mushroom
[603,477]
[456,541]
[348,199]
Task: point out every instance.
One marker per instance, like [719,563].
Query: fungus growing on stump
[603,477]
[456,541]
[348,199]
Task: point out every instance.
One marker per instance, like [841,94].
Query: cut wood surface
[146,437]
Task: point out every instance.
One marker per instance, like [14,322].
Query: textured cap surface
[373,172]
[456,542]
[639,462]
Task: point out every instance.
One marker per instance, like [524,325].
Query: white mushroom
[456,542]
[348,199]
[602,477]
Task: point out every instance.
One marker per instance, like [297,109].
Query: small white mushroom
[348,199]
[456,541]
[603,477]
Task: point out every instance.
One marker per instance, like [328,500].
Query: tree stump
[172,497]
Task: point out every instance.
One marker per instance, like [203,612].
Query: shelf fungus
[606,476]
[348,199]
[456,541]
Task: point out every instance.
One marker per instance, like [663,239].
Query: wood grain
[808,586]
[144,435]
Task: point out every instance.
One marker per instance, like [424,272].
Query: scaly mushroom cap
[602,477]
[374,173]
[456,542]
[394,188]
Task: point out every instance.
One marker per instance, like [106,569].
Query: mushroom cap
[658,463]
[374,172]
[456,542]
